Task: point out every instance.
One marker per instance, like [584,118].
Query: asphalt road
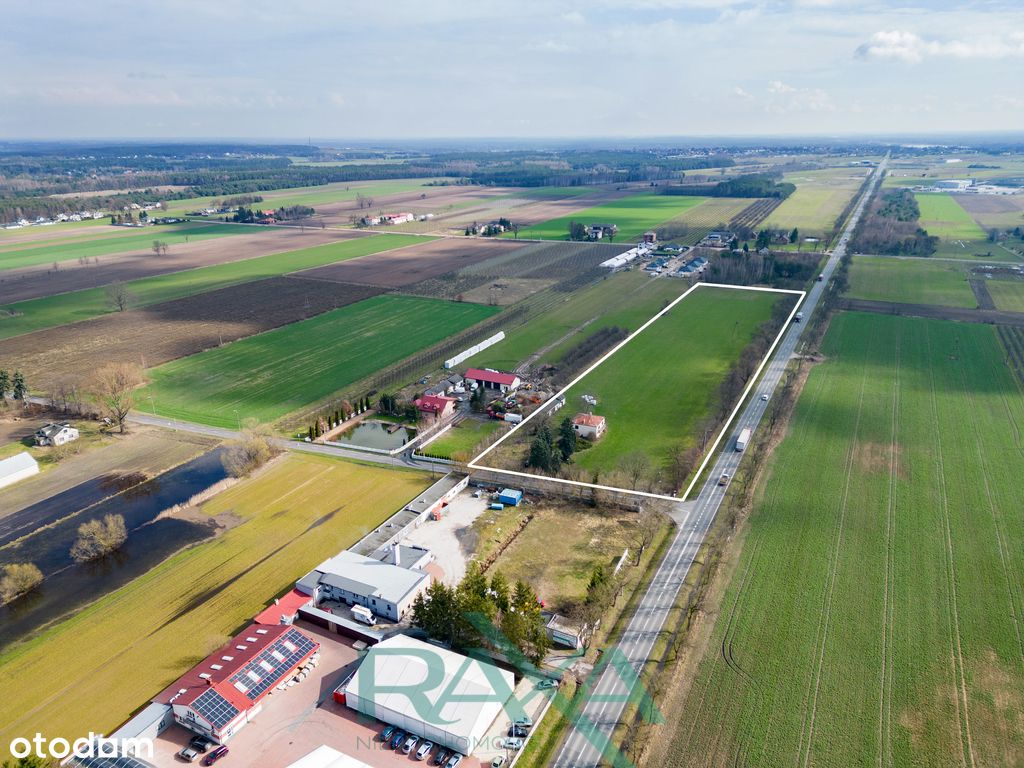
[591,733]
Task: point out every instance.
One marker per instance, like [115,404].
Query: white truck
[743,439]
[364,614]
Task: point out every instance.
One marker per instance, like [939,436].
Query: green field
[910,281]
[944,217]
[65,226]
[820,198]
[459,442]
[36,314]
[634,215]
[874,616]
[122,650]
[269,375]
[1007,294]
[59,250]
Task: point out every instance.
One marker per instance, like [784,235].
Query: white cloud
[777,86]
[738,91]
[549,46]
[912,48]
[574,17]
[783,98]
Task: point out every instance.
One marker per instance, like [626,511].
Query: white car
[764,397]
[512,743]
[424,750]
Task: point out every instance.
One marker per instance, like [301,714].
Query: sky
[334,69]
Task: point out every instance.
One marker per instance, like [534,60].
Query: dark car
[387,733]
[216,755]
[517,731]
[397,739]
[200,744]
[440,757]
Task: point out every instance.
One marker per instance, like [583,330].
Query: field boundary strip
[475,463]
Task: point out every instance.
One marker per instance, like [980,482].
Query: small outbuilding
[16,468]
[510,497]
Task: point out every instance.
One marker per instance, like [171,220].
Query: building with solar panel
[221,694]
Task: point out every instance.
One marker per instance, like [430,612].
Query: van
[363,614]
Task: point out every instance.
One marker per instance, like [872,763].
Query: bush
[98,538]
[18,579]
[251,451]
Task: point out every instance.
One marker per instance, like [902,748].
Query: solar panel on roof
[214,708]
[110,762]
[270,664]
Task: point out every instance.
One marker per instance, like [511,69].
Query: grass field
[59,250]
[634,215]
[656,388]
[34,315]
[910,281]
[1007,294]
[116,654]
[820,198]
[64,226]
[944,217]
[874,615]
[459,442]
[269,375]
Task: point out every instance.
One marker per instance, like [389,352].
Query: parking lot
[444,537]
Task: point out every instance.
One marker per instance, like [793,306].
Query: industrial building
[327,757]
[387,589]
[465,695]
[225,691]
[504,382]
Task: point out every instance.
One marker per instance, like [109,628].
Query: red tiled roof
[434,403]
[287,605]
[588,420]
[493,377]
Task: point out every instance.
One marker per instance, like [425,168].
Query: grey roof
[425,500]
[363,576]
[17,463]
[50,430]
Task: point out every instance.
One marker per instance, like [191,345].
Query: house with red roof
[488,379]
[439,407]
[589,426]
[218,696]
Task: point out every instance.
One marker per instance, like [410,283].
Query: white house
[589,426]
[56,434]
[17,468]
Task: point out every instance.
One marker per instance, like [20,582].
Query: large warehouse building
[466,695]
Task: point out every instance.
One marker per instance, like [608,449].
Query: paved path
[592,731]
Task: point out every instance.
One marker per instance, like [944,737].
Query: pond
[68,586]
[377,434]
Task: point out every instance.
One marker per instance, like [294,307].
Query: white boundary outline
[474,464]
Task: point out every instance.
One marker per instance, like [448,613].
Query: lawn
[36,314]
[269,375]
[60,250]
[117,653]
[945,218]
[910,281]
[873,617]
[634,215]
[1007,294]
[655,390]
[459,442]
[820,198]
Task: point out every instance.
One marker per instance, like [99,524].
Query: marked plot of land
[269,375]
[874,616]
[944,217]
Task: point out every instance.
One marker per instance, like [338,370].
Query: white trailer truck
[743,439]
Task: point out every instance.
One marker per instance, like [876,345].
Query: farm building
[350,579]
[650,237]
[505,382]
[438,407]
[589,426]
[469,694]
[955,185]
[225,691]
[397,218]
[56,434]
[17,468]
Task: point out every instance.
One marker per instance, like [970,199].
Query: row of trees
[14,384]
[325,422]
[484,613]
[549,450]
[749,185]
[890,226]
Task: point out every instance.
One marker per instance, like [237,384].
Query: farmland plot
[911,281]
[874,617]
[269,375]
[943,217]
[633,214]
[820,198]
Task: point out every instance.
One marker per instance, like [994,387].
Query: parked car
[547,682]
[215,755]
[523,722]
[388,732]
[410,744]
[498,762]
[424,750]
[454,760]
[512,744]
[517,731]
[440,756]
[200,743]
[397,738]
[189,755]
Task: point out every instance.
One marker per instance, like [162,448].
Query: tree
[250,452]
[118,296]
[635,466]
[112,388]
[648,523]
[566,438]
[540,453]
[99,538]
[160,247]
[18,387]
[17,580]
[5,384]
[794,235]
[534,640]
[577,230]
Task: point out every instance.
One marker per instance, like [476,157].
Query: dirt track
[404,266]
[34,282]
[174,329]
[992,317]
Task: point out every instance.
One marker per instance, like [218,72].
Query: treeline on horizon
[749,185]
